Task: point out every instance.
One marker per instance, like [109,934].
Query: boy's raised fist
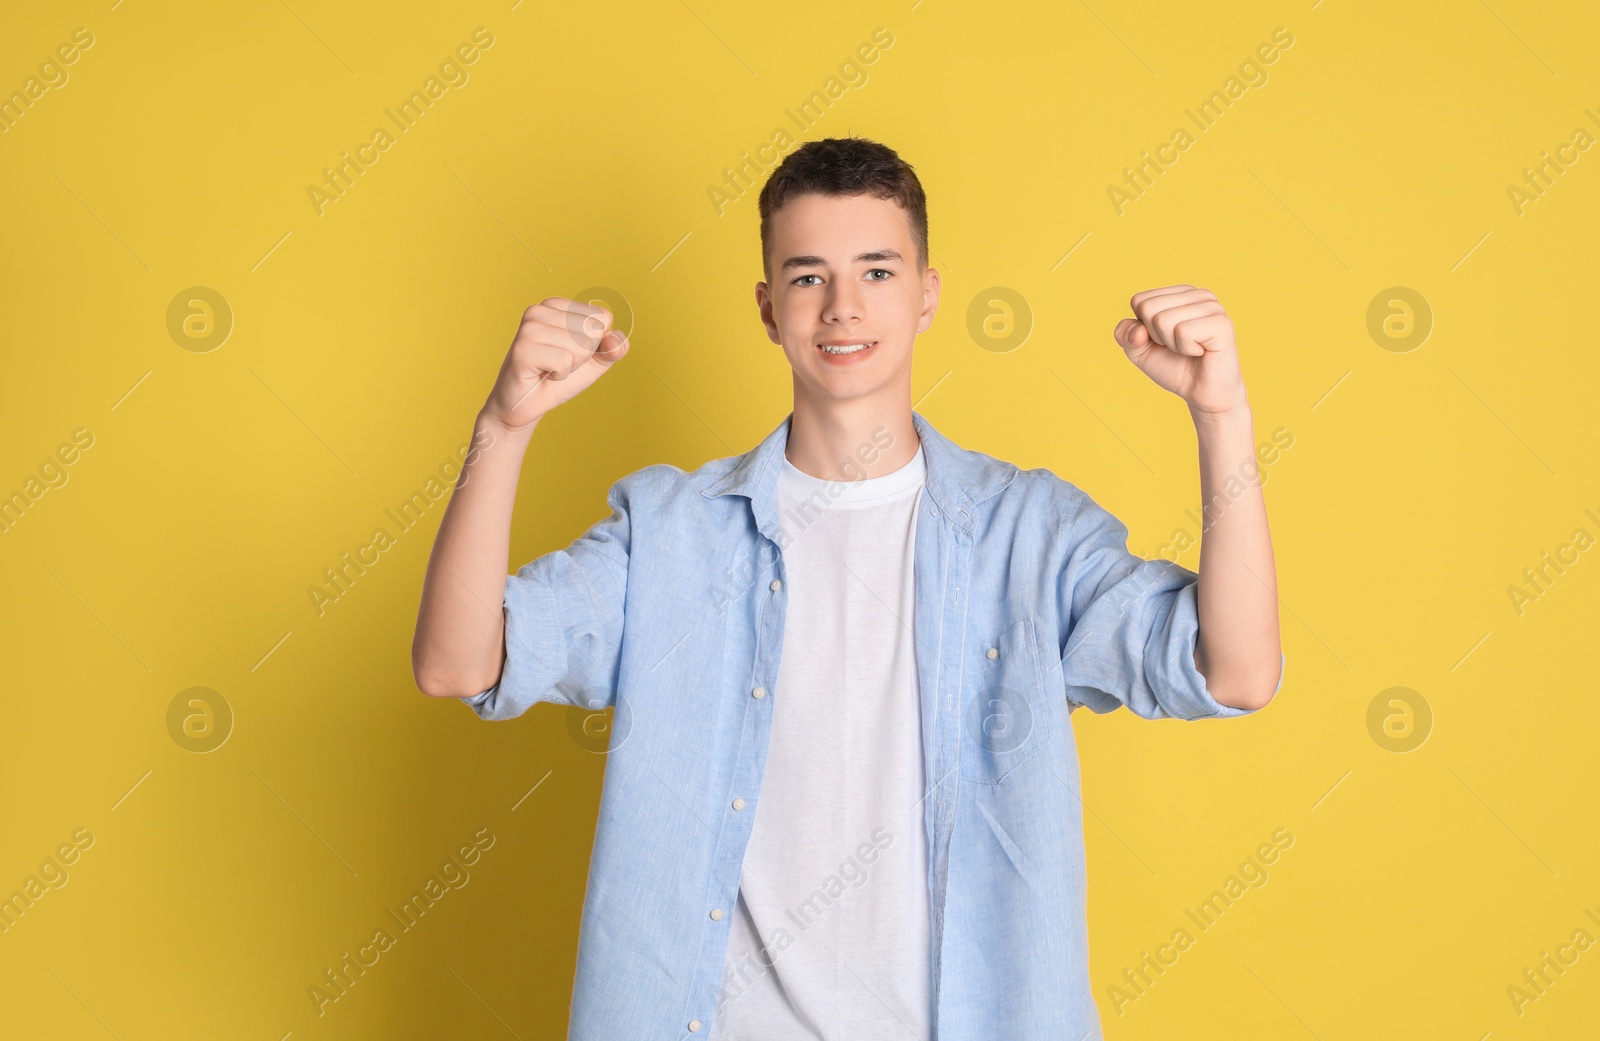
[561,347]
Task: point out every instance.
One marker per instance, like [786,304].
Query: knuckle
[524,341]
[594,324]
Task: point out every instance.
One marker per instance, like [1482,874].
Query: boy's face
[844,271]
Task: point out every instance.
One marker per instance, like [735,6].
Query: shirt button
[738,804]
[716,914]
[759,692]
[694,1026]
[776,585]
[994,652]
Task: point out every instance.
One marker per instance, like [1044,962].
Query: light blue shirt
[1027,604]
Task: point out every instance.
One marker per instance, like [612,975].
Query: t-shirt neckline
[801,485]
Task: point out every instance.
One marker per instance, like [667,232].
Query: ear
[764,305]
[930,299]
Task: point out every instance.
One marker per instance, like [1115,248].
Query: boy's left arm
[1183,340]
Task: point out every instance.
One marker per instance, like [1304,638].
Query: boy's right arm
[561,347]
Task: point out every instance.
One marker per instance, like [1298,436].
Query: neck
[851,440]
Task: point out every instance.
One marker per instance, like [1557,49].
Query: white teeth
[847,348]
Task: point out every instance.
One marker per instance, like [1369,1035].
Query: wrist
[1232,415]
[488,430]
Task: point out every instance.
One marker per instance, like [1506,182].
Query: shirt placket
[940,626]
[735,817]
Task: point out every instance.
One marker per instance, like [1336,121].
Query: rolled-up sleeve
[1132,626]
[563,619]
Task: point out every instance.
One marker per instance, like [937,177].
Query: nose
[845,303]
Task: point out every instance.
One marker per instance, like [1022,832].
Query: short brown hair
[845,166]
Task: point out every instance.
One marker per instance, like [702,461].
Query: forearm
[459,646]
[1239,647]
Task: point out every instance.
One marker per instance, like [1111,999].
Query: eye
[797,281]
[884,271]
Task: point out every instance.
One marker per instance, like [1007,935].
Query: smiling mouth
[845,348]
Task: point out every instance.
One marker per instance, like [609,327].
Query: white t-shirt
[830,937]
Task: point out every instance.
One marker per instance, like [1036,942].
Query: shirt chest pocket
[1006,720]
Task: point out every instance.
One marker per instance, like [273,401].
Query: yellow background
[221,886]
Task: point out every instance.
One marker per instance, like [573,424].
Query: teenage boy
[841,796]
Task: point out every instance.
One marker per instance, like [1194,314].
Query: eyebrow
[877,255]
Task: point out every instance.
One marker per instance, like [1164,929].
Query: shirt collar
[957,479]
